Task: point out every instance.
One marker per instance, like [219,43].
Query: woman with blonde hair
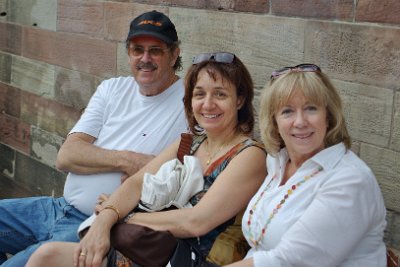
[320,205]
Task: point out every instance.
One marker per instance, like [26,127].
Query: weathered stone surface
[33,76]
[387,233]
[395,140]
[392,232]
[73,51]
[78,16]
[364,54]
[386,11]
[395,234]
[45,146]
[10,100]
[224,5]
[123,68]
[38,176]
[7,160]
[255,6]
[10,189]
[47,114]
[5,68]
[204,4]
[360,101]
[74,88]
[355,147]
[37,13]
[385,165]
[3,10]
[39,44]
[279,43]
[10,40]
[334,9]
[15,133]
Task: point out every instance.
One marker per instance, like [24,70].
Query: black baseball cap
[154,24]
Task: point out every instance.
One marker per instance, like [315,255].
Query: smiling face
[302,126]
[215,103]
[151,64]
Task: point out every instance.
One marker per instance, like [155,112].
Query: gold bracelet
[111,207]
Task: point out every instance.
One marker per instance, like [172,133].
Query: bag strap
[185,145]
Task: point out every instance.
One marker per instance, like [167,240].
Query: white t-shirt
[121,118]
[335,218]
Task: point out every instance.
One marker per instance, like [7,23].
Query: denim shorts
[26,223]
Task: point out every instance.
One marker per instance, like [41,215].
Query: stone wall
[53,54]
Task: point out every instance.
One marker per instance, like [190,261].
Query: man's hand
[133,162]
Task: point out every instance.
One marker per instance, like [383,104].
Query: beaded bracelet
[111,207]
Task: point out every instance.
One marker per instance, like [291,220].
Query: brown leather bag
[143,245]
[392,258]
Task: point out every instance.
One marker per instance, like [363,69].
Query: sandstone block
[38,176]
[36,13]
[385,11]
[395,140]
[15,133]
[74,88]
[279,43]
[45,146]
[7,161]
[385,165]
[47,114]
[336,9]
[364,54]
[5,67]
[73,51]
[33,76]
[123,68]
[10,100]
[10,40]
[84,17]
[360,101]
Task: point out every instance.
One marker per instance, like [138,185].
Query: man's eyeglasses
[154,51]
[298,68]
[221,57]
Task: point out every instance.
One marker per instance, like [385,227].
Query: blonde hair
[318,89]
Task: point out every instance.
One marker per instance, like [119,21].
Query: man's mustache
[146,66]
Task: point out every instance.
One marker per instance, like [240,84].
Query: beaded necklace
[290,191]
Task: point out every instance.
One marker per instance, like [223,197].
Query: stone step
[11,189]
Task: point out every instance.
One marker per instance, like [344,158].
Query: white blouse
[334,216]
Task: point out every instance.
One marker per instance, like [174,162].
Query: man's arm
[79,155]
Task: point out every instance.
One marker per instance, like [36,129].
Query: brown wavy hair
[236,73]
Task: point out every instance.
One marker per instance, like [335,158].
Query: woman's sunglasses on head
[221,57]
[299,68]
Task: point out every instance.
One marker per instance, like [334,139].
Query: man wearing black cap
[127,121]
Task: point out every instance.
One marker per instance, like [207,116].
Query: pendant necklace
[210,157]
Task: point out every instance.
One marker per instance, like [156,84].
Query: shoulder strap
[184,145]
